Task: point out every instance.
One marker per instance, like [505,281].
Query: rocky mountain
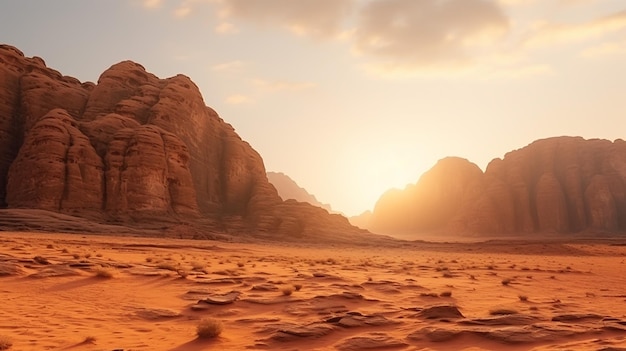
[288,189]
[558,185]
[134,149]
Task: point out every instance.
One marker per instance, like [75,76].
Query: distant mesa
[288,189]
[136,150]
[555,185]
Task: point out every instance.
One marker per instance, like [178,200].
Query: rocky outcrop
[133,148]
[429,204]
[288,189]
[557,185]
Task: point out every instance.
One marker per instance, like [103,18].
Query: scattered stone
[155,314]
[441,312]
[371,341]
[222,299]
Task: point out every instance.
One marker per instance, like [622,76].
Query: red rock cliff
[562,185]
[132,147]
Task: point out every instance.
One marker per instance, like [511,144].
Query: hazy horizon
[352,98]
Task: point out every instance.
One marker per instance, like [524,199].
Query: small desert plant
[523,298]
[104,273]
[287,290]
[446,294]
[506,281]
[87,255]
[5,342]
[149,259]
[297,287]
[240,264]
[41,260]
[76,256]
[182,273]
[209,328]
[50,246]
[90,339]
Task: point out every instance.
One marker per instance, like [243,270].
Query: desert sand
[57,294]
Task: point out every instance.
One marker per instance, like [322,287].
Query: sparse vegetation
[149,259]
[90,339]
[209,328]
[197,266]
[287,290]
[506,281]
[41,260]
[523,298]
[182,273]
[446,294]
[103,272]
[297,287]
[76,256]
[5,342]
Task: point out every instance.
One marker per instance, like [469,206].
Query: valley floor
[77,292]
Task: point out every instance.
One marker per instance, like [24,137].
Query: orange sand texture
[411,296]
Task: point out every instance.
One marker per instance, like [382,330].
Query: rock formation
[288,189]
[557,185]
[133,148]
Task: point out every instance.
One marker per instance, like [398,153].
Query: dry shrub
[5,342]
[297,287]
[446,294]
[90,339]
[105,273]
[523,298]
[506,281]
[209,328]
[287,290]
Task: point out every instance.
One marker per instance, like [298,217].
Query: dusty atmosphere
[89,292]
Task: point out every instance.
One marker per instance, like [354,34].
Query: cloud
[226,28]
[278,85]
[424,33]
[607,49]
[236,65]
[547,34]
[152,4]
[314,18]
[238,99]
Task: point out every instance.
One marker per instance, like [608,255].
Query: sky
[353,97]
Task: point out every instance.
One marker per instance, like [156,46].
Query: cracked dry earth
[73,292]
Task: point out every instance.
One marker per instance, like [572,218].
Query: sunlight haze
[348,97]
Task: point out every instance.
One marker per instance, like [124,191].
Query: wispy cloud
[607,49]
[277,85]
[314,18]
[231,66]
[226,28]
[152,4]
[238,99]
[425,33]
[550,33]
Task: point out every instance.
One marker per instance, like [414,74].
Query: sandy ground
[422,296]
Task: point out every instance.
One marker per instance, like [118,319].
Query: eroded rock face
[288,189]
[560,185]
[133,148]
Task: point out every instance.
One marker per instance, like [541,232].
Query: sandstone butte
[288,189]
[135,149]
[555,185]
